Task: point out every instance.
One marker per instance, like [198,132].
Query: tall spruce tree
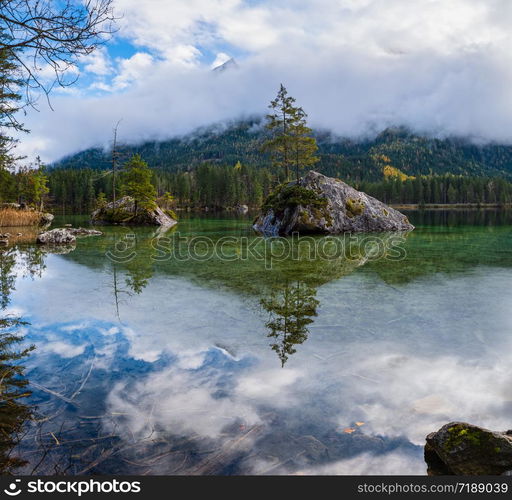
[9,104]
[290,144]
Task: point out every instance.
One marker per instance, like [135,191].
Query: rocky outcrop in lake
[124,211]
[64,236]
[464,449]
[324,205]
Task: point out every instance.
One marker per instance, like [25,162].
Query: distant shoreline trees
[219,187]
[440,189]
[212,186]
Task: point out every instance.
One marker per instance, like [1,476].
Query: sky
[440,67]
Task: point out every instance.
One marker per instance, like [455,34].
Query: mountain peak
[228,65]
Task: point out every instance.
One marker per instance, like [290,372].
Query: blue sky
[440,67]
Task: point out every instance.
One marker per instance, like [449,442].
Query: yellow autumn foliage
[391,172]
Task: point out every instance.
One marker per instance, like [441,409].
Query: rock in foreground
[64,236]
[123,212]
[464,449]
[324,205]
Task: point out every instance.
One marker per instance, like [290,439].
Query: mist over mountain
[228,143]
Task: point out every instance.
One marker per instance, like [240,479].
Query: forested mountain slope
[348,159]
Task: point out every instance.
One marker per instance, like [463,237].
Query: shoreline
[451,206]
[398,206]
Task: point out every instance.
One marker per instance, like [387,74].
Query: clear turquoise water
[249,365]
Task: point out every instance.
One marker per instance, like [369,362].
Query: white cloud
[64,349]
[177,401]
[392,463]
[356,66]
[98,62]
[133,69]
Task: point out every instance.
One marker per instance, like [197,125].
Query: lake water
[209,350]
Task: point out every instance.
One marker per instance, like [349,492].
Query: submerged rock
[64,236]
[80,231]
[123,212]
[324,205]
[464,449]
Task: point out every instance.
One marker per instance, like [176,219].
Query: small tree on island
[136,182]
[291,144]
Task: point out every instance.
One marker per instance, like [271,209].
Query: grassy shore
[13,217]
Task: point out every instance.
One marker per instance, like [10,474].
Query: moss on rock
[462,435]
[171,213]
[354,207]
[464,449]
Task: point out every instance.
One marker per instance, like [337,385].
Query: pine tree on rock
[290,143]
[136,182]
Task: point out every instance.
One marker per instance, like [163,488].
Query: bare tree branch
[43,34]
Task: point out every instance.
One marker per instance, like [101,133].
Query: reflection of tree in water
[291,308]
[31,261]
[13,412]
[138,271]
[7,276]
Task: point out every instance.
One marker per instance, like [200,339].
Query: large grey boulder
[323,205]
[123,211]
[64,236]
[59,236]
[464,449]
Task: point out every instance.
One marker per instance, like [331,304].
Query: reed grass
[14,217]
